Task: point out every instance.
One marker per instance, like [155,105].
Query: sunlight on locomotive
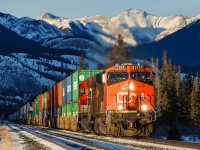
[131,86]
[120,107]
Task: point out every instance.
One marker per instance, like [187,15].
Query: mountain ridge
[182,47]
[136,26]
[36,30]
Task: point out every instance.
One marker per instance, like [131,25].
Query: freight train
[118,101]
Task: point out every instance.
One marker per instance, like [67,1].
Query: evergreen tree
[194,99]
[119,53]
[186,103]
[157,87]
[168,92]
[179,95]
[166,107]
[144,63]
[152,64]
[165,104]
[100,66]
[198,104]
[173,92]
[178,83]
[82,62]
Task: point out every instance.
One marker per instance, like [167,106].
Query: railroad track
[69,141]
[155,142]
[182,144]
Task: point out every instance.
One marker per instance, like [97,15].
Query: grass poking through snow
[6,142]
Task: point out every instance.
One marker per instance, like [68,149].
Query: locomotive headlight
[131,86]
[144,107]
[120,107]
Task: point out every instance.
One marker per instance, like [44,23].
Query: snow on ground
[67,142]
[18,141]
[109,142]
[192,138]
[98,143]
[130,143]
[195,139]
[62,141]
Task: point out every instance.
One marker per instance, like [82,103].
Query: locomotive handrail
[111,106]
[154,115]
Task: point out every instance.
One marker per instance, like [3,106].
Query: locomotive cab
[129,86]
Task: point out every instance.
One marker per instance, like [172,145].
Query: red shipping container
[55,95]
[41,105]
[48,100]
[59,94]
[48,104]
[51,101]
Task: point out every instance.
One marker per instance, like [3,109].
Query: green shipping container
[69,110]
[64,110]
[45,111]
[78,77]
[45,101]
[75,109]
[36,102]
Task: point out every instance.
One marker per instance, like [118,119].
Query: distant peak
[135,12]
[48,16]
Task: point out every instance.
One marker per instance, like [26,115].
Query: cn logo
[123,97]
[81,78]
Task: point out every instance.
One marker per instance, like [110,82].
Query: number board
[120,67]
[138,67]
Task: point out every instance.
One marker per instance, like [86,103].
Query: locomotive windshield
[141,76]
[117,75]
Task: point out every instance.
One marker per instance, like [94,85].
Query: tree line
[177,97]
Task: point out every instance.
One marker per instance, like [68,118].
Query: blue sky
[108,8]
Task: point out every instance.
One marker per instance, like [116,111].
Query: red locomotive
[119,102]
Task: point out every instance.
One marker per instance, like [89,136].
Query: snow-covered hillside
[26,66]
[136,26]
[23,75]
[30,28]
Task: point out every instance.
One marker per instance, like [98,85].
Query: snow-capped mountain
[36,30]
[48,16]
[136,26]
[183,47]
